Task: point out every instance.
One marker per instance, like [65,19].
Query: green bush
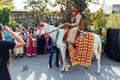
[113,21]
[5,16]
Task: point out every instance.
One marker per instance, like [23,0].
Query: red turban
[74,9]
[41,25]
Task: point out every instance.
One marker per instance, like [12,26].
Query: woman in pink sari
[30,45]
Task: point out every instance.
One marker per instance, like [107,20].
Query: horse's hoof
[68,66]
[98,72]
[62,70]
[66,69]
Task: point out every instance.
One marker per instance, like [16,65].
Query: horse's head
[45,28]
[42,29]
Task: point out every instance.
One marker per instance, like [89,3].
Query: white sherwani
[72,33]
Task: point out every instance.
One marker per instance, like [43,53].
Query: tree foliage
[5,16]
[6,3]
[87,17]
[5,11]
[38,9]
[99,20]
[13,23]
[113,21]
[65,7]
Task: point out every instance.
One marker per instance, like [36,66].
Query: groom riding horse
[82,53]
[80,48]
[75,28]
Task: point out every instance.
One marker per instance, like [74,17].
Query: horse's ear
[41,25]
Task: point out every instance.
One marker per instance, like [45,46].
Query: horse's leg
[97,52]
[63,59]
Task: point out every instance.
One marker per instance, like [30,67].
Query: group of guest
[34,44]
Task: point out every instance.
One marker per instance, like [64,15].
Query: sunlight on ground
[116,70]
[91,77]
[52,78]
[19,77]
[60,75]
[43,76]
[31,76]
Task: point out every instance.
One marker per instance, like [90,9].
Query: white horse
[53,31]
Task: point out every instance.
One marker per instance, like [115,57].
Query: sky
[109,3]
[19,5]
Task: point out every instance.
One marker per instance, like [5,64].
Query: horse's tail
[100,47]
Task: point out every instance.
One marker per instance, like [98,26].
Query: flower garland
[56,38]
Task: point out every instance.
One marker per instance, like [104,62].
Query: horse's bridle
[46,33]
[50,31]
[44,30]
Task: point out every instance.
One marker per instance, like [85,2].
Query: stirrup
[82,35]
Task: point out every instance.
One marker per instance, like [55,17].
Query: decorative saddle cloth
[82,53]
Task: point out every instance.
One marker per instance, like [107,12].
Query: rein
[46,33]
[51,31]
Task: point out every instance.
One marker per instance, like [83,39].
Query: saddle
[78,34]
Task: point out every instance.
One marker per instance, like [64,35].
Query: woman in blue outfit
[8,37]
[4,51]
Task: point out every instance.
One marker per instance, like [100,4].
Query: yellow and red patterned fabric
[82,53]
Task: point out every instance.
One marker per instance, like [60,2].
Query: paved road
[35,68]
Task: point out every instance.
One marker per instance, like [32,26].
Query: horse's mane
[53,31]
[50,26]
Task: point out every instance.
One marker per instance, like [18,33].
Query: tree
[38,9]
[113,21]
[5,16]
[87,17]
[13,23]
[99,20]
[6,3]
[5,11]
[65,7]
